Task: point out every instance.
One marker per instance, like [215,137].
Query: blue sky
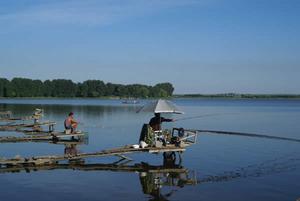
[201,46]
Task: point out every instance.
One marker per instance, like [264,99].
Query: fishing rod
[205,115]
[248,135]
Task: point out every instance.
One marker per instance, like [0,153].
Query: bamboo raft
[19,127]
[7,116]
[50,137]
[186,138]
[34,131]
[119,152]
[16,118]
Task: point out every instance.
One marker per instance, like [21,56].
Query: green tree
[4,84]
[110,89]
[93,88]
[158,92]
[37,88]
[167,87]
[82,90]
[48,88]
[24,87]
[63,88]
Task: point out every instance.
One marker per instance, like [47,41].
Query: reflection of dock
[140,167]
[153,178]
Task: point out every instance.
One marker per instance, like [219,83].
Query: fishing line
[249,135]
[205,115]
[216,131]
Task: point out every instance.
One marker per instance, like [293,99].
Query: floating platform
[5,115]
[8,116]
[119,152]
[16,118]
[18,127]
[50,137]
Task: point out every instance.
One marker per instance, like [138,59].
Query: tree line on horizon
[24,87]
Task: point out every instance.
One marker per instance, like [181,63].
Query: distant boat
[130,101]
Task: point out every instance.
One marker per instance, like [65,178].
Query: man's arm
[73,121]
[166,120]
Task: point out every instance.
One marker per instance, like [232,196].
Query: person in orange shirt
[71,123]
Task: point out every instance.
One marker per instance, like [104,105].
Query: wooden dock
[9,119]
[184,140]
[8,116]
[119,152]
[50,137]
[5,115]
[19,127]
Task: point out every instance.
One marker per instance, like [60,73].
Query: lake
[218,167]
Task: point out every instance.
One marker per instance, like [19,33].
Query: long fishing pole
[249,135]
[202,116]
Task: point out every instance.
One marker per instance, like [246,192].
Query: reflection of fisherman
[70,123]
[151,185]
[170,160]
[156,121]
[153,182]
[71,150]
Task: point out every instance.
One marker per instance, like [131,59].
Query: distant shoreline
[182,96]
[239,96]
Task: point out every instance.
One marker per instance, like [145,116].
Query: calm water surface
[218,167]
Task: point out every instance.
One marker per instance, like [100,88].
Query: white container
[135,146]
[143,144]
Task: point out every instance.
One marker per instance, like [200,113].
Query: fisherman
[155,122]
[70,123]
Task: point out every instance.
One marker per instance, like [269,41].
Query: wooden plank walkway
[36,138]
[17,118]
[42,160]
[16,127]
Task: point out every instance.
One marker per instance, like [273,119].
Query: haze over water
[224,167]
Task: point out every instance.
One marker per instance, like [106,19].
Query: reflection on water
[161,182]
[153,178]
[91,116]
[71,149]
[170,174]
[279,165]
[257,169]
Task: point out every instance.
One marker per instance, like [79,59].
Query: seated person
[70,123]
[155,122]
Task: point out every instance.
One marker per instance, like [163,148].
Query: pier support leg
[180,157]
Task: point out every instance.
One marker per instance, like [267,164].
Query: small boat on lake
[130,101]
